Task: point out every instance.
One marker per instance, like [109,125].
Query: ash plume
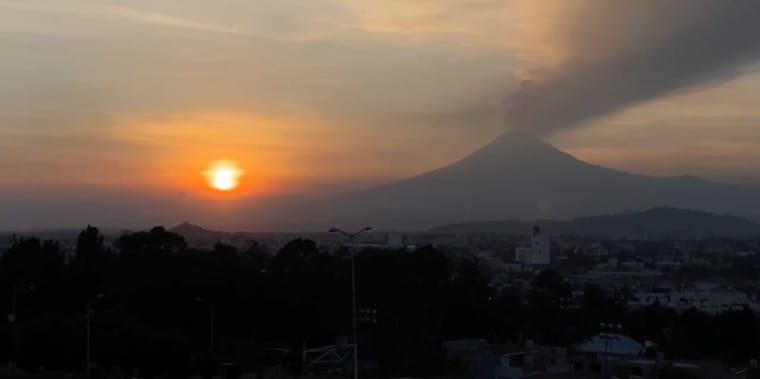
[603,56]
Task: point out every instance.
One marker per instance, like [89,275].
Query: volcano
[516,176]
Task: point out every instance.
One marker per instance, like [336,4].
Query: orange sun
[223,175]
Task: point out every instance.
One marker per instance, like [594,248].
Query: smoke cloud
[597,57]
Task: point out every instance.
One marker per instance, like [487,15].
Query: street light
[12,318]
[12,321]
[650,344]
[211,323]
[608,335]
[351,237]
[88,346]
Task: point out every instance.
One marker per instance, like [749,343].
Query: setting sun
[223,175]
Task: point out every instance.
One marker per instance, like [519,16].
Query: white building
[488,361]
[612,344]
[539,251]
[706,297]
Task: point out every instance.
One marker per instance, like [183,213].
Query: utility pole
[12,321]
[608,335]
[212,321]
[87,336]
[211,329]
[88,348]
[353,306]
[351,237]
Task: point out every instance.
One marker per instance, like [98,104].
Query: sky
[119,107]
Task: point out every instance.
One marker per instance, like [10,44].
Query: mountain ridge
[515,176]
[660,222]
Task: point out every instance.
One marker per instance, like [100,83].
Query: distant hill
[197,236]
[663,222]
[516,176]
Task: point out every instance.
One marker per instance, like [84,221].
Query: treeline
[153,299]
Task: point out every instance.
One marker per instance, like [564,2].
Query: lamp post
[88,347]
[608,335]
[651,344]
[12,321]
[351,237]
[212,311]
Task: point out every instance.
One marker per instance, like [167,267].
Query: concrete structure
[539,251]
[505,361]
[532,361]
[611,344]
[592,367]
[706,297]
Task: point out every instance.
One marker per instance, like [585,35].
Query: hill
[198,236]
[653,223]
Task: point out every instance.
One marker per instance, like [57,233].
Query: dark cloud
[625,52]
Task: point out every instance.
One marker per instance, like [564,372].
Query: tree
[225,250]
[297,254]
[737,334]
[89,248]
[430,265]
[157,242]
[693,334]
[30,261]
[256,251]
[549,287]
[468,303]
[90,261]
[548,297]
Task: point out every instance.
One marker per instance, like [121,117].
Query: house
[507,361]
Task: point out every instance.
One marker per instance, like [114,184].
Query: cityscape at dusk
[379,189]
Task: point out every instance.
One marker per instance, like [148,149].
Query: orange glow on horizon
[269,155]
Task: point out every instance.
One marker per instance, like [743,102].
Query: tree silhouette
[156,242]
[160,294]
[90,262]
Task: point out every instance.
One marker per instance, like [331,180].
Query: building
[611,344]
[706,297]
[604,354]
[538,252]
[532,361]
[507,361]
